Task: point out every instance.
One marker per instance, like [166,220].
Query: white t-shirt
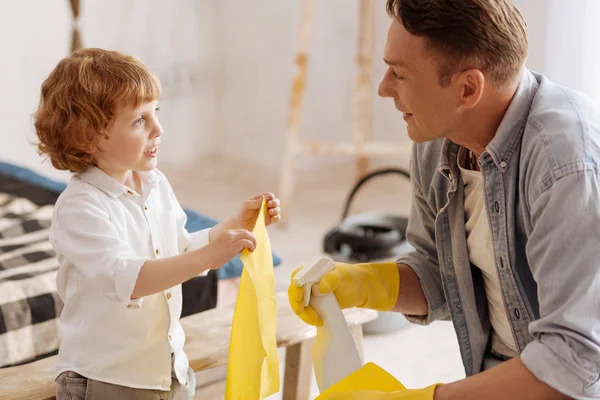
[481,254]
[103,232]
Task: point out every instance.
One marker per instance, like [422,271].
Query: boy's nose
[157,131]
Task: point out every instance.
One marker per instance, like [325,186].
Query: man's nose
[384,89]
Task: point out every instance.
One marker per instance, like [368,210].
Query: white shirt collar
[101,180]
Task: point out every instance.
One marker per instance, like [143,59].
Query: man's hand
[372,286]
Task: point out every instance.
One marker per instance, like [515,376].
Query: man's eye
[396,76]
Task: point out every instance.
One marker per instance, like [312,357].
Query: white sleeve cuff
[198,239]
[126,275]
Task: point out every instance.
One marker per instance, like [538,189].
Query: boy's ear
[91,148]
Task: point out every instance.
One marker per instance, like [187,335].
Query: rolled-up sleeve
[424,260]
[194,241]
[83,234]
[563,251]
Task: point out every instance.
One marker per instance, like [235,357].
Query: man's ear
[471,84]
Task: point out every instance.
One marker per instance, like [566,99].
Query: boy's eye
[139,121]
[157,109]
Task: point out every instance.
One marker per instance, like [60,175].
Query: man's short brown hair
[80,99]
[487,34]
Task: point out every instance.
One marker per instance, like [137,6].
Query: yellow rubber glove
[368,285]
[408,394]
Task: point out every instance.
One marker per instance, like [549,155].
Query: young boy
[119,233]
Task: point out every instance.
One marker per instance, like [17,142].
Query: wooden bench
[207,347]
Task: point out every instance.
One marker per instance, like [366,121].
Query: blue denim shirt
[542,195]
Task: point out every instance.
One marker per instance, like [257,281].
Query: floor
[416,355]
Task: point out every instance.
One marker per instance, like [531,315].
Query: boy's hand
[246,216]
[226,246]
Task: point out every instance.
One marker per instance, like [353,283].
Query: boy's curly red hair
[80,99]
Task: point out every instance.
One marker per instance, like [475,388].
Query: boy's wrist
[203,260]
[222,226]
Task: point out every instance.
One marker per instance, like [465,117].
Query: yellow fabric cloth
[253,367]
[427,393]
[369,377]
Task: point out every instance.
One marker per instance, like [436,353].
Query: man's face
[412,81]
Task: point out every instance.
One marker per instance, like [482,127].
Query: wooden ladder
[361,146]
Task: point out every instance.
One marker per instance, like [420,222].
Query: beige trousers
[72,386]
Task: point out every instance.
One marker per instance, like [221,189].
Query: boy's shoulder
[78,191]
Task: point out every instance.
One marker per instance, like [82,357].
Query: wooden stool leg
[298,371]
[357,335]
[363,98]
[292,131]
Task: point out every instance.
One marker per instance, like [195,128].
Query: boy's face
[133,141]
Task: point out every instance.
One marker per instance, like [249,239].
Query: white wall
[227,65]
[564,38]
[176,39]
[257,50]
[28,52]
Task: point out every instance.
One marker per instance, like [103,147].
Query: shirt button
[146,208]
[170,338]
[503,164]
[129,192]
[517,313]
[129,306]
[157,251]
[168,295]
[496,206]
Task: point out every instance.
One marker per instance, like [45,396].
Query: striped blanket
[29,305]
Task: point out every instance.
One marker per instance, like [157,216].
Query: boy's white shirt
[103,232]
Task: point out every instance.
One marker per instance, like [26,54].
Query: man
[505,218]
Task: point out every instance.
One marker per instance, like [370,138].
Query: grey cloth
[72,386]
[542,195]
[490,362]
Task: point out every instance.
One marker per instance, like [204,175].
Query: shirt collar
[101,180]
[509,131]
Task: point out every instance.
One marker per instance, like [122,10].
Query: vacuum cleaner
[368,236]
